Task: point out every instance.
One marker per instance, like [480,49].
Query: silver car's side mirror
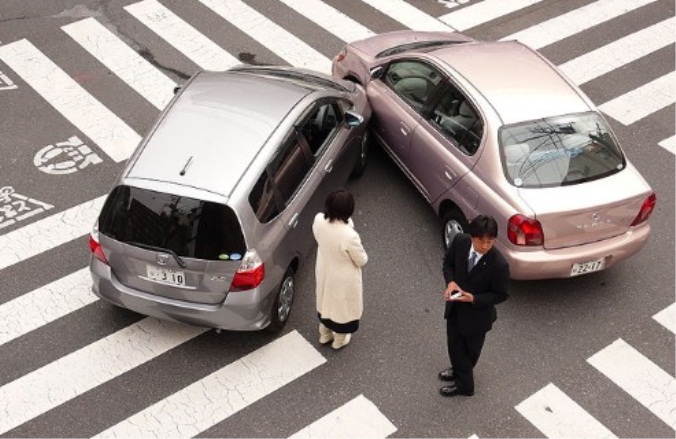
[377,72]
[353,119]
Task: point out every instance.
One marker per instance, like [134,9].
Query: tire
[281,308]
[452,223]
[362,160]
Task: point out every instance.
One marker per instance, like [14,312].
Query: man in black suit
[477,278]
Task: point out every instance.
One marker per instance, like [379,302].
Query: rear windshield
[559,151]
[190,228]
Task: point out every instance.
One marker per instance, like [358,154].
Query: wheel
[362,160]
[281,308]
[453,222]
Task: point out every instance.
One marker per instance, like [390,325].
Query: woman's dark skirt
[340,328]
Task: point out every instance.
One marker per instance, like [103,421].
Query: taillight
[250,273]
[95,246]
[341,55]
[522,230]
[646,210]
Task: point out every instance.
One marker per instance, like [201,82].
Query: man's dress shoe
[453,390]
[447,375]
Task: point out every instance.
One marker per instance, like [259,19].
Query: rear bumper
[241,311]
[550,264]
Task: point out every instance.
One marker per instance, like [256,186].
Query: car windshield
[182,226]
[559,151]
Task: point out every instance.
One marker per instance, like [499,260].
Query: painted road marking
[122,60]
[48,233]
[620,52]
[223,393]
[330,19]
[269,34]
[669,144]
[80,108]
[643,101]
[483,12]
[62,380]
[408,15]
[182,36]
[574,22]
[639,377]
[556,415]
[667,317]
[16,207]
[50,302]
[358,418]
[6,83]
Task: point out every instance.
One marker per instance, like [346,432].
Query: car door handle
[294,220]
[329,166]
[450,175]
[405,131]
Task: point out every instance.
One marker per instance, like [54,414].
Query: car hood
[587,212]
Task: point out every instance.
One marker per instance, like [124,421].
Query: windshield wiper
[159,249]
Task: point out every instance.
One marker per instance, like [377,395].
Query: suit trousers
[464,352]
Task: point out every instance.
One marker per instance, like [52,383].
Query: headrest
[466,110]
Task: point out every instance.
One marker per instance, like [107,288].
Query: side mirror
[377,72]
[353,119]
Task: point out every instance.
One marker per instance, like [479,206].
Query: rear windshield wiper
[159,249]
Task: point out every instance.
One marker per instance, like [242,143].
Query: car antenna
[185,168]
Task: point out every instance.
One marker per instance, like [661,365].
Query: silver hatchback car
[211,217]
[495,128]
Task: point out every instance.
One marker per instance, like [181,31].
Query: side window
[321,125]
[456,118]
[262,199]
[414,81]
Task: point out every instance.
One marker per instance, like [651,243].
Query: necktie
[472,260]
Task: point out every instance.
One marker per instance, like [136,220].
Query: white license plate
[587,267]
[167,276]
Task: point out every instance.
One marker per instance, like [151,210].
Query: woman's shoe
[325,334]
[340,340]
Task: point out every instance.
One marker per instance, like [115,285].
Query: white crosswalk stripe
[122,60]
[640,378]
[212,399]
[91,117]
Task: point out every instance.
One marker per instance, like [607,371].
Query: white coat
[340,256]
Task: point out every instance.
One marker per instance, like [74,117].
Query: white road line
[358,418]
[56,383]
[408,15]
[275,38]
[182,36]
[639,377]
[556,415]
[576,21]
[122,60]
[91,117]
[643,101]
[48,233]
[612,56]
[330,19]
[667,317]
[669,144]
[223,393]
[483,12]
[50,302]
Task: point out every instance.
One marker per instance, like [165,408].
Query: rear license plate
[166,276]
[587,267]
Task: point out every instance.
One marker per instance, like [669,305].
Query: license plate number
[166,276]
[587,267]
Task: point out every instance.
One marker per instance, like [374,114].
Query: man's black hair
[339,205]
[482,226]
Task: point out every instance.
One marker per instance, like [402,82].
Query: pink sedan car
[495,128]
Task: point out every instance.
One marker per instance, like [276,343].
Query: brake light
[95,246]
[525,231]
[341,55]
[250,273]
[646,210]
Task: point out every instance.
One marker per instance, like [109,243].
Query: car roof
[515,79]
[215,128]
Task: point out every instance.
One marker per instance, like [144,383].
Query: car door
[397,98]
[443,148]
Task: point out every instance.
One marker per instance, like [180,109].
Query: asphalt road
[545,333]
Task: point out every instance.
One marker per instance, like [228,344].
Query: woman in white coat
[340,257]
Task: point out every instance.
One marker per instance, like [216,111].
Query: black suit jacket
[488,282]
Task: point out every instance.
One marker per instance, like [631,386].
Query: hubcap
[451,229]
[285,299]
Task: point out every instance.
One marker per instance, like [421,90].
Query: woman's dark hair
[339,205]
[483,225]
